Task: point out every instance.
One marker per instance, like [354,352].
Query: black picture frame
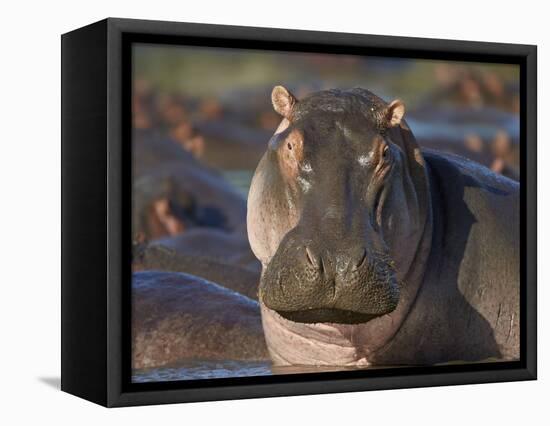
[96,243]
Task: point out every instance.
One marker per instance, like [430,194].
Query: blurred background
[202,118]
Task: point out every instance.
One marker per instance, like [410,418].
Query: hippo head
[336,208]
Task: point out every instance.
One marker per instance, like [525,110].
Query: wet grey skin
[374,252]
[171,325]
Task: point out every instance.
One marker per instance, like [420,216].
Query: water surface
[200,369]
[206,369]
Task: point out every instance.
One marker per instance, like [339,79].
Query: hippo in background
[486,135]
[159,256]
[169,325]
[214,244]
[172,191]
[187,218]
[374,252]
[471,87]
[190,247]
[469,112]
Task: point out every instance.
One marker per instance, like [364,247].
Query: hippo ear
[283,101]
[394,113]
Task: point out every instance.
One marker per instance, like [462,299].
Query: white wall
[30,210]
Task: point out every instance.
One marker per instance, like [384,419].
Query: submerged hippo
[374,252]
[160,257]
[170,326]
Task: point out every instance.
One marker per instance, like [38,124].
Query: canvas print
[302,212]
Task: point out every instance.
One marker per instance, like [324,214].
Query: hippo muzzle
[342,280]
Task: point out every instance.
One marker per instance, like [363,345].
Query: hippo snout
[322,281]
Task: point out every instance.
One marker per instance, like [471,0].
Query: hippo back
[467,308]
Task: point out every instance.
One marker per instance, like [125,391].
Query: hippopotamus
[488,136]
[373,251]
[216,244]
[169,325]
[173,192]
[158,257]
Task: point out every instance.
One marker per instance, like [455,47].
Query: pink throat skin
[325,344]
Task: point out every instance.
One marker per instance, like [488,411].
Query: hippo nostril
[362,259]
[310,256]
[314,260]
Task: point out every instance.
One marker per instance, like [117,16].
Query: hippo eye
[289,146]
